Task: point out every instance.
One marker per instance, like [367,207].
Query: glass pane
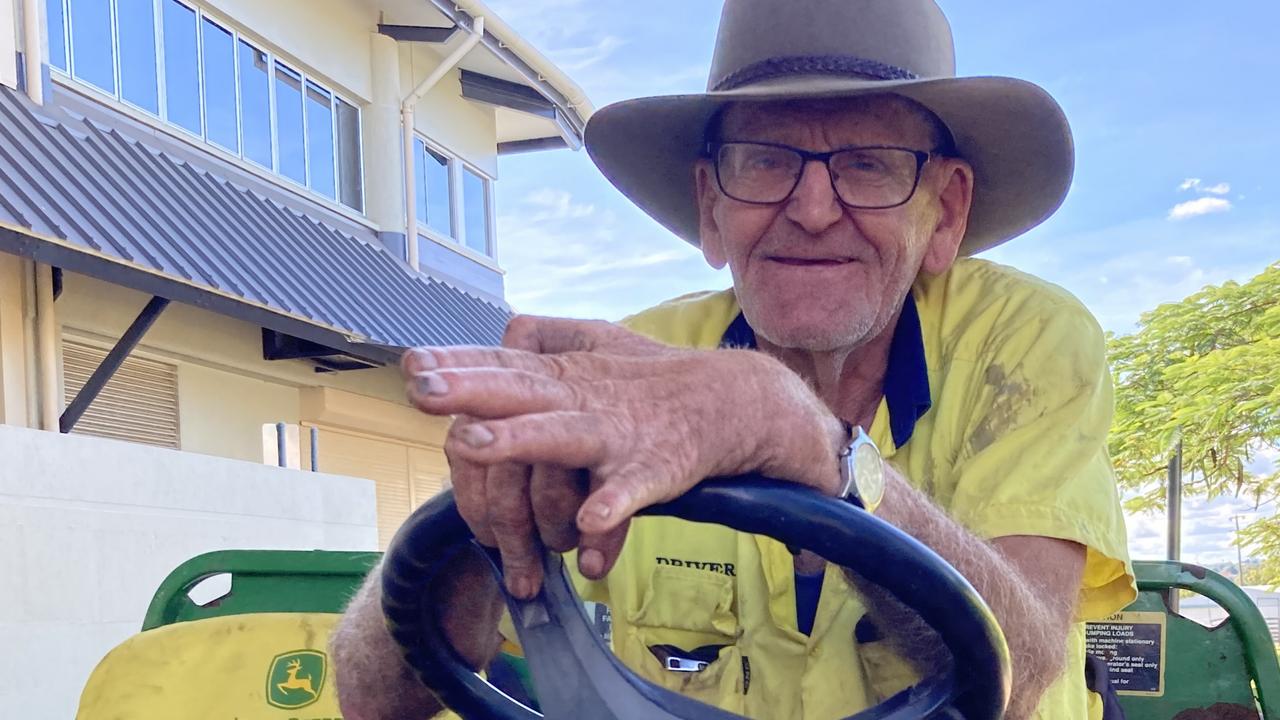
[255,104]
[219,86]
[439,216]
[293,159]
[57,35]
[136,24]
[91,52]
[420,179]
[181,69]
[320,140]
[349,180]
[475,211]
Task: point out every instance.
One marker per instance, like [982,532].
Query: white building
[217,216]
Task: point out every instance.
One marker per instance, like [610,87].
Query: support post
[315,449]
[281,446]
[1173,507]
[112,362]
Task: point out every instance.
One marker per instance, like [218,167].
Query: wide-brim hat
[1011,131]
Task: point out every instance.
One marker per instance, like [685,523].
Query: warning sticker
[1132,643]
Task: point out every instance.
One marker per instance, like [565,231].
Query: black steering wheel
[576,676]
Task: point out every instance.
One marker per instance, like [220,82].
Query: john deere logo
[296,679]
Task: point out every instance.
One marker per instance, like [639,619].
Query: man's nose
[814,205]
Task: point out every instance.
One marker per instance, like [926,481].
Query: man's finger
[489,393]
[468,480]
[565,438]
[557,493]
[511,518]
[426,359]
[597,553]
[551,335]
[627,491]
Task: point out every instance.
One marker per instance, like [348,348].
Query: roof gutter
[536,69]
[406,125]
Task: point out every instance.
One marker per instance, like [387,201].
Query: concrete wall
[90,527]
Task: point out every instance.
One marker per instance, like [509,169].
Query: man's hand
[572,427]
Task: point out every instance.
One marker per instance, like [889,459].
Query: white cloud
[571,258]
[1198,185]
[1199,206]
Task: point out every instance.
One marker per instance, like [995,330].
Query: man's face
[810,272]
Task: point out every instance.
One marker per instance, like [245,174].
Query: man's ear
[708,194]
[955,198]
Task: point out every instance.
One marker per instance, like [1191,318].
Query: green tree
[1205,371]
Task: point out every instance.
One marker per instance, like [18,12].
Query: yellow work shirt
[1014,444]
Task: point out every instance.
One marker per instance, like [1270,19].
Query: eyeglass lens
[863,177]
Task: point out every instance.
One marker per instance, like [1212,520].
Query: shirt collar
[906,380]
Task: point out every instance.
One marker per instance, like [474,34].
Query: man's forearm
[1034,619]
[373,681]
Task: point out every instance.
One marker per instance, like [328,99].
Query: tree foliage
[1205,370]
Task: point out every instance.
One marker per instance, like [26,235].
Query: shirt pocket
[687,609]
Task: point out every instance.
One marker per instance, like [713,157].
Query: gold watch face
[868,475]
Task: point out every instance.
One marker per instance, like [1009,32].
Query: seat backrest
[267,666]
[308,581]
[1166,666]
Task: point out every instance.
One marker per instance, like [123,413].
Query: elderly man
[843,174]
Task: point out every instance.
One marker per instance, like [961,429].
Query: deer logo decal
[296,678]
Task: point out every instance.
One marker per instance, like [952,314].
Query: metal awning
[84,196]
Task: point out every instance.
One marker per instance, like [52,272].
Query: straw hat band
[839,65]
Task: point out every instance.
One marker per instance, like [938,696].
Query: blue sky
[1174,106]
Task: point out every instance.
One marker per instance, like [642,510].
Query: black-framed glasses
[875,177]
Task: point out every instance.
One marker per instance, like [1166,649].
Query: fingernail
[597,511]
[476,435]
[520,588]
[421,359]
[591,563]
[430,383]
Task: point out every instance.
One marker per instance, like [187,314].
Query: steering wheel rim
[976,686]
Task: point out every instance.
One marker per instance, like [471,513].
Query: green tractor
[260,650]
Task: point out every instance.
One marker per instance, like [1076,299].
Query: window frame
[68,77]
[456,241]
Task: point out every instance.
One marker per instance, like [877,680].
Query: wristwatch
[861,471]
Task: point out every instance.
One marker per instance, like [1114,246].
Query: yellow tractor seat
[257,666]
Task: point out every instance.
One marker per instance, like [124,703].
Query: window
[181,67]
[168,58]
[219,55]
[475,209]
[255,105]
[349,162]
[320,141]
[136,28]
[435,208]
[57,24]
[138,404]
[92,55]
[289,130]
[453,200]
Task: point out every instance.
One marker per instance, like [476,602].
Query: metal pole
[1173,503]
[315,449]
[280,446]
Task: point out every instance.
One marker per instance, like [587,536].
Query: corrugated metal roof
[74,180]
